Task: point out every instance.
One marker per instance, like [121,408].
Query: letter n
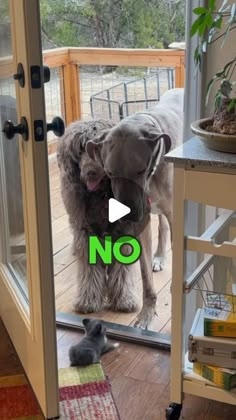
[96,248]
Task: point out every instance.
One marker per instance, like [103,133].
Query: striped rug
[84,394]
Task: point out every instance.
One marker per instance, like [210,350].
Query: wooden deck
[66,272]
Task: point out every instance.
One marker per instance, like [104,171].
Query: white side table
[208,177]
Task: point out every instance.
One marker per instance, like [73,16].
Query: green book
[224,378]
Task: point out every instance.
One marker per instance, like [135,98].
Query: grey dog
[131,154]
[85,189]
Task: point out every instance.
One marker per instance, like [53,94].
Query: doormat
[84,393]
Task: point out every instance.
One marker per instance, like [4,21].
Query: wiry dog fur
[85,189]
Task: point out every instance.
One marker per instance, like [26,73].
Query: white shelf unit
[213,185]
[196,385]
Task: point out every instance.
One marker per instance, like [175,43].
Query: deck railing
[67,61]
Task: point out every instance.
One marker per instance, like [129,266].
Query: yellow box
[224,378]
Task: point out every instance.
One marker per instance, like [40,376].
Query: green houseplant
[217,25]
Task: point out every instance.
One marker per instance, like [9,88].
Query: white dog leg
[159,258]
[149,294]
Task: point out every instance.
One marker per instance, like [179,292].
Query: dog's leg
[149,294]
[159,258]
[91,280]
[120,288]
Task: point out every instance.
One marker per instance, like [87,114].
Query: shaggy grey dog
[85,191]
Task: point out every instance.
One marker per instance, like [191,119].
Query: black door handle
[46,74]
[35,75]
[57,126]
[9,129]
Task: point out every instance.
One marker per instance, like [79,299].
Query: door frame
[33,332]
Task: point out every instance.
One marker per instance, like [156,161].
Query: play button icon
[116,210]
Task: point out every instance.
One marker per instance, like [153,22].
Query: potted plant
[217,25]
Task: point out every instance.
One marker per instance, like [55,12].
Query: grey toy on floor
[92,346]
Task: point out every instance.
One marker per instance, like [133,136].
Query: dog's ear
[152,136]
[86,322]
[94,150]
[167,142]
[160,145]
[94,147]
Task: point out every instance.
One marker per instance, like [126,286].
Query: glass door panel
[26,270]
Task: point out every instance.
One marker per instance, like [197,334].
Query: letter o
[136,250]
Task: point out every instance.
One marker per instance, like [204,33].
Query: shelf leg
[178,300]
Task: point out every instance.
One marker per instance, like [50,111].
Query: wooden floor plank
[63,259]
[61,240]
[139,395]
[166,329]
[57,211]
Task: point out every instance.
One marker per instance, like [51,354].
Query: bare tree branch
[47,37]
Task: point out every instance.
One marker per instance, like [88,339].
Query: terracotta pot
[216,141]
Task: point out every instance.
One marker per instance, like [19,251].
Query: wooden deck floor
[66,272]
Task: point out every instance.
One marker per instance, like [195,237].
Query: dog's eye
[141,172]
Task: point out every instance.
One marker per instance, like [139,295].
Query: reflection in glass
[12,233]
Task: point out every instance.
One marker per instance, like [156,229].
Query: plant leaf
[197,56]
[212,4]
[218,100]
[223,5]
[211,33]
[232,13]
[202,27]
[218,22]
[225,88]
[200,10]
[219,74]
[204,46]
[232,105]
[209,86]
[209,20]
[196,24]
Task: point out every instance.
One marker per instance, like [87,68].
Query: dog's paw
[144,319]
[86,307]
[158,263]
[127,304]
[147,313]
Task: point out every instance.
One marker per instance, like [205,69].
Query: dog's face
[128,155]
[91,173]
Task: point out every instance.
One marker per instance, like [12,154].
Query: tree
[5,29]
[113,23]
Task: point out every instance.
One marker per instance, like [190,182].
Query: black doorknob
[20,75]
[46,74]
[9,129]
[57,126]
